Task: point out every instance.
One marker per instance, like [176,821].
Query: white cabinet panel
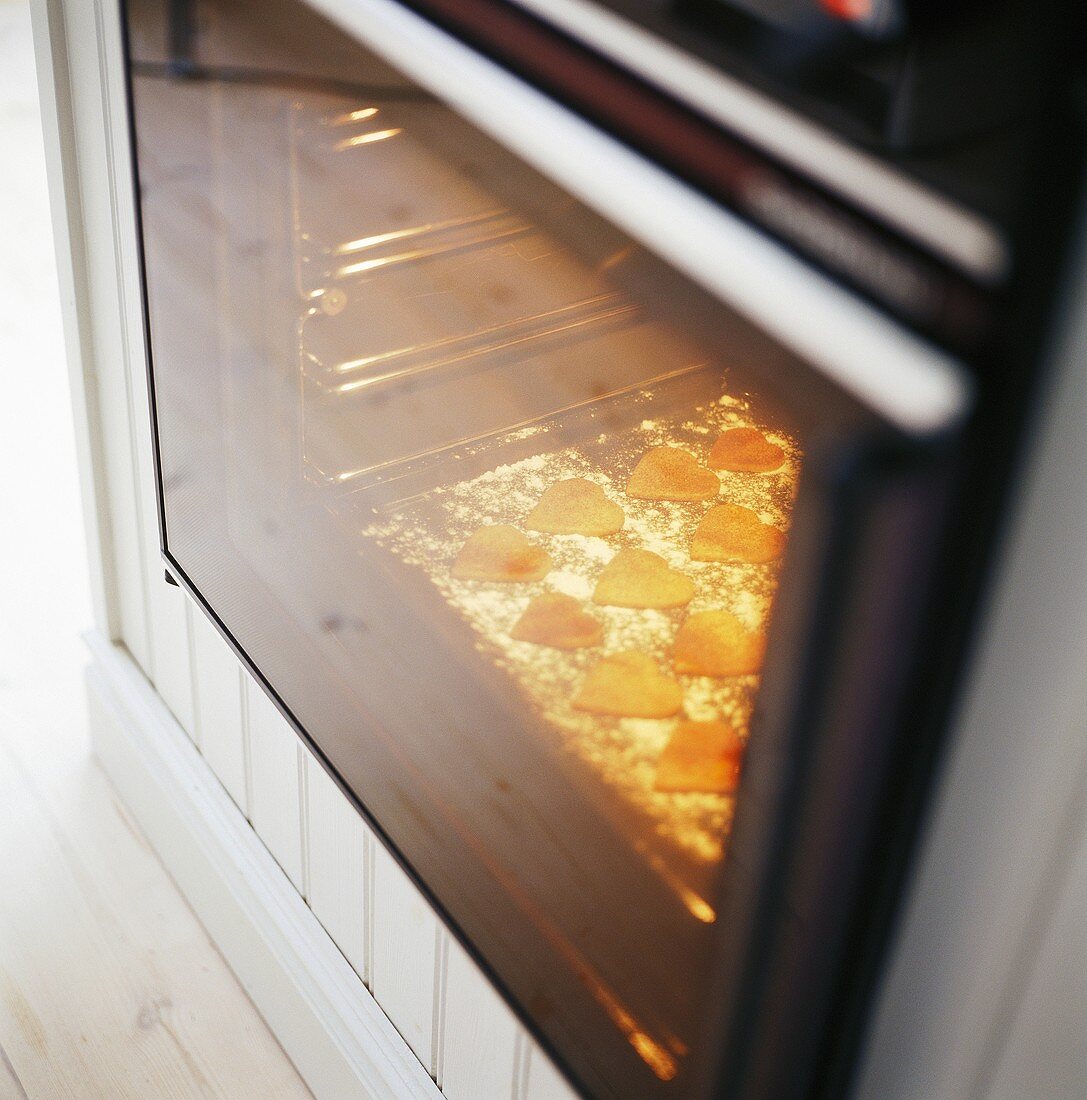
[544,1081]
[217,687]
[404,977]
[338,850]
[170,611]
[275,788]
[96,331]
[1045,1052]
[480,1035]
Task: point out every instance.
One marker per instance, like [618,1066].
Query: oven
[585,483]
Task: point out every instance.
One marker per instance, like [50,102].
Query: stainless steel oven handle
[914,385]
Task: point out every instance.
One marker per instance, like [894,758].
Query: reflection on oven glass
[663,575]
[495,499]
[663,533]
[491,403]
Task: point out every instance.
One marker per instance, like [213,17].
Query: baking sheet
[429,530]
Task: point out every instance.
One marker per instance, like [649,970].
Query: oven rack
[387,486]
[444,289]
[579,320]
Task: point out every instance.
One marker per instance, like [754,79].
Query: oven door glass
[518,525]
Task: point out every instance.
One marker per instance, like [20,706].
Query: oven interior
[439,446]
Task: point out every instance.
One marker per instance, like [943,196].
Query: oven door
[579,530]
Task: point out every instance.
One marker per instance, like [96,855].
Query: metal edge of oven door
[844,657]
[859,578]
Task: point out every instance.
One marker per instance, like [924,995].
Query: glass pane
[494,499]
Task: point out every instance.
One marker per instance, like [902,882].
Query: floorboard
[109,986]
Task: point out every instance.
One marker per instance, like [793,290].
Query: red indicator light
[855,11]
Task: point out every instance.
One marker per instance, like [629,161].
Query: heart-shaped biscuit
[575,507]
[745,450]
[669,473]
[629,685]
[716,643]
[557,620]
[640,578]
[500,553]
[703,757]
[730,532]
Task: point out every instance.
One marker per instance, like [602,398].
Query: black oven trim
[719,162]
[749,997]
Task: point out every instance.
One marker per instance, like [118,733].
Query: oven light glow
[470,221]
[382,261]
[616,258]
[699,908]
[414,254]
[696,905]
[354,116]
[378,238]
[367,139]
[654,1056]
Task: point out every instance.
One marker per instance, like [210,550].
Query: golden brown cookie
[703,757]
[745,450]
[640,578]
[730,532]
[500,553]
[716,643]
[669,473]
[629,685]
[575,507]
[557,620]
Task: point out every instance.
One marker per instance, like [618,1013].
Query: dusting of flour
[428,531]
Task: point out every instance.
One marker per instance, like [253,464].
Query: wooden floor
[108,985]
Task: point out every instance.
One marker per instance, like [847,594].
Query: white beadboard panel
[220,726]
[337,865]
[275,788]
[331,1028]
[544,1082]
[480,1036]
[171,665]
[404,973]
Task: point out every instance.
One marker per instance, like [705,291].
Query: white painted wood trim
[332,1029]
[66,206]
[86,144]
